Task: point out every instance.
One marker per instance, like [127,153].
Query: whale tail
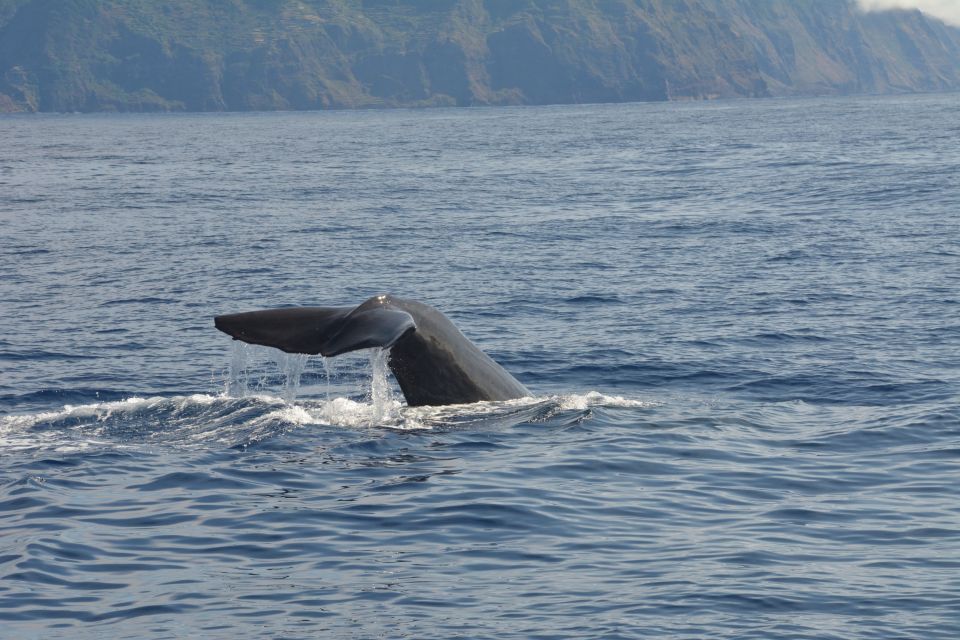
[328,331]
[432,361]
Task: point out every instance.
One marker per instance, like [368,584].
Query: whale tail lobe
[328,331]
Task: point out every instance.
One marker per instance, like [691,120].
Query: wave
[241,421]
[597,399]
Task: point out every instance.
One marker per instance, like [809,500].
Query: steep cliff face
[208,55]
[820,47]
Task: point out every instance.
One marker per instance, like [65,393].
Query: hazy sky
[948,10]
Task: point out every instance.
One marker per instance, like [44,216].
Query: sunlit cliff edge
[216,55]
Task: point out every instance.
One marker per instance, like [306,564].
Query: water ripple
[762,294]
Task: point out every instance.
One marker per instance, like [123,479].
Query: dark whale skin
[433,362]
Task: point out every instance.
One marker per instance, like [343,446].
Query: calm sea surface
[740,321]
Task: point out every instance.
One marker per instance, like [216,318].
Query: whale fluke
[433,362]
[328,331]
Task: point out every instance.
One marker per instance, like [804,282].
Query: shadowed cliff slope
[209,55]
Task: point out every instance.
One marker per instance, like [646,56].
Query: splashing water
[381,394]
[328,373]
[376,402]
[192,420]
[245,364]
[237,377]
[291,366]
[243,367]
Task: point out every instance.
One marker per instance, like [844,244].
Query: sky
[947,10]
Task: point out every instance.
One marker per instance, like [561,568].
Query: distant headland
[240,55]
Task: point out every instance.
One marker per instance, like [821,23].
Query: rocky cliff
[209,55]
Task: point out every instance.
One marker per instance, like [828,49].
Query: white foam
[101,411]
[403,417]
[97,410]
[344,412]
[581,402]
[83,426]
[205,417]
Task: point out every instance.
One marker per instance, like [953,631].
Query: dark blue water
[740,321]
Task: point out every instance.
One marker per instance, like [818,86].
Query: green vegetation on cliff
[209,55]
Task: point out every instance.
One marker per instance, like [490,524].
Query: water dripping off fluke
[239,364]
[381,393]
[328,373]
[291,367]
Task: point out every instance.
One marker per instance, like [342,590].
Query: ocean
[738,321]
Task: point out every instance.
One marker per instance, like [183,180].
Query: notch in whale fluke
[328,331]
